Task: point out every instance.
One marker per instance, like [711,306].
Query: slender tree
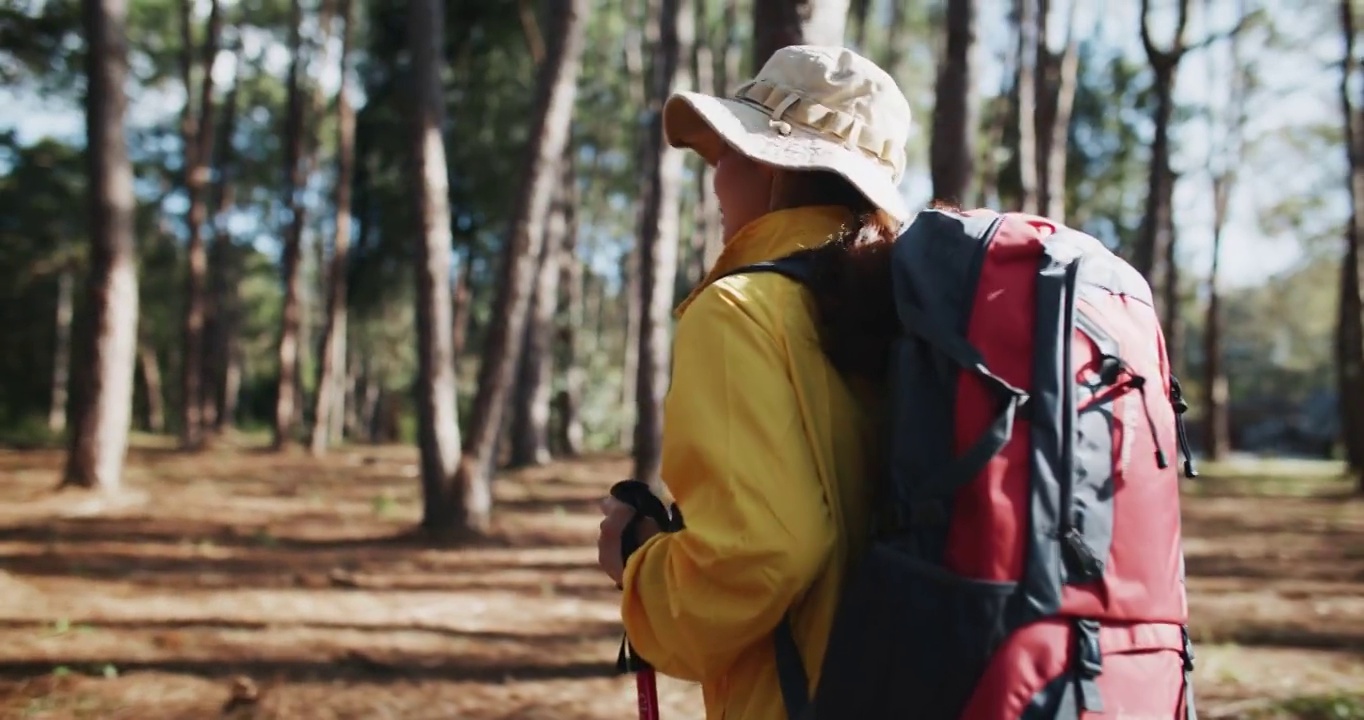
[658,242]
[61,353]
[1225,154]
[952,154]
[1155,250]
[1350,318]
[556,90]
[197,135]
[330,407]
[103,405]
[438,436]
[1026,78]
[778,23]
[291,315]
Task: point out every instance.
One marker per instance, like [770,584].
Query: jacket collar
[774,235]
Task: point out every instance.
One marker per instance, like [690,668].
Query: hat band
[790,106]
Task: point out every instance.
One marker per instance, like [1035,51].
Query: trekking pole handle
[646,504]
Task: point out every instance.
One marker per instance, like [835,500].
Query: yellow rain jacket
[768,453]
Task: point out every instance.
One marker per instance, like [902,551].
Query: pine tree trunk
[438,435]
[1026,78]
[286,412]
[219,319]
[1063,100]
[778,23]
[658,244]
[1156,243]
[732,64]
[98,441]
[556,90]
[534,383]
[705,240]
[952,154]
[1350,319]
[331,387]
[1217,425]
[463,304]
[860,10]
[641,40]
[151,380]
[61,352]
[571,326]
[198,142]
[232,384]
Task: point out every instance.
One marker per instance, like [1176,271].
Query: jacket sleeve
[739,465]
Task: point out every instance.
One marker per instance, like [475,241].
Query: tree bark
[952,153]
[286,413]
[640,41]
[705,240]
[98,442]
[731,65]
[1026,77]
[221,311]
[658,244]
[198,144]
[860,10]
[438,435]
[1217,424]
[1225,156]
[463,304]
[556,90]
[1350,319]
[1053,180]
[779,23]
[232,380]
[571,321]
[331,387]
[535,382]
[61,352]
[1156,242]
[151,380]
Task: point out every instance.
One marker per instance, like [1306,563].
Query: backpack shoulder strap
[791,675]
[798,267]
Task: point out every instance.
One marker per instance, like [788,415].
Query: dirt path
[285,582]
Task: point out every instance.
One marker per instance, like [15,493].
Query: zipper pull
[1181,406]
[1110,368]
[1139,382]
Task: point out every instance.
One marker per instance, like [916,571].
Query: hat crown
[847,84]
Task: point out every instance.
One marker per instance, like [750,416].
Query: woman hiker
[771,422]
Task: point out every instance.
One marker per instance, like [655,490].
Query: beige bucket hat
[809,108]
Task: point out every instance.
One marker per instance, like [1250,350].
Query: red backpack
[1030,562]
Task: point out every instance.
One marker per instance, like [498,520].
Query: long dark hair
[852,283]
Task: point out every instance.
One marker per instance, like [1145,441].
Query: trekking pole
[646,505]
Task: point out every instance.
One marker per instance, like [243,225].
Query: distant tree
[1225,156]
[956,111]
[658,239]
[1350,317]
[778,23]
[556,90]
[196,131]
[331,396]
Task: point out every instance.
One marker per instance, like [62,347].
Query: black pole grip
[646,504]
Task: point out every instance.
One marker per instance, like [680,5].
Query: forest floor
[286,587]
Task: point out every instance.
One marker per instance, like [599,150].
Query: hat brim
[705,124]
